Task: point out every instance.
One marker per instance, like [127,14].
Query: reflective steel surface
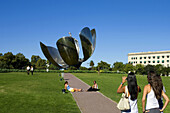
[86,42]
[68,49]
[53,56]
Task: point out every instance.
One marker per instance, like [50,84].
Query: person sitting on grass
[67,87]
[94,87]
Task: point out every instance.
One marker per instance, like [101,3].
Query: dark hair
[94,81]
[132,85]
[65,82]
[156,83]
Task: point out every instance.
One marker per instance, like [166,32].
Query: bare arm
[145,92]
[121,89]
[65,87]
[166,102]
[139,89]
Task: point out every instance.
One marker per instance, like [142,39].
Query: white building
[152,58]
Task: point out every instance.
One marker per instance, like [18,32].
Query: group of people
[153,91]
[94,87]
[30,69]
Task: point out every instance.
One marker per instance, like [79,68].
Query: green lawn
[41,93]
[108,84]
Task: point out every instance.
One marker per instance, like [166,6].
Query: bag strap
[126,91]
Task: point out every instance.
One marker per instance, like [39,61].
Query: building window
[158,61]
[154,61]
[153,57]
[132,58]
[140,57]
[136,58]
[158,57]
[131,62]
[144,62]
[144,57]
[149,57]
[162,56]
[162,61]
[149,61]
[167,60]
[168,56]
[140,61]
[136,61]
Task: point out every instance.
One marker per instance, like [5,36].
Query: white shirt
[28,68]
[32,68]
[133,104]
[152,101]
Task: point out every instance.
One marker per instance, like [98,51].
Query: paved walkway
[90,102]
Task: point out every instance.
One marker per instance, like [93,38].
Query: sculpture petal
[86,42]
[53,55]
[68,49]
[93,32]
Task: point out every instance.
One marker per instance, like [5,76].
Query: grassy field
[108,84]
[41,93]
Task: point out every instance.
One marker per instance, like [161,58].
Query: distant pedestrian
[28,70]
[32,70]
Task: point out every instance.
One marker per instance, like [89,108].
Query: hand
[123,80]
[161,110]
[147,111]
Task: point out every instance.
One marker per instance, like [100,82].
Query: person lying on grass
[67,87]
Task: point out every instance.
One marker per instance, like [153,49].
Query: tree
[72,68]
[159,69]
[118,66]
[129,67]
[103,65]
[83,68]
[2,62]
[149,68]
[34,60]
[91,64]
[41,64]
[53,67]
[140,69]
[20,62]
[166,70]
[7,60]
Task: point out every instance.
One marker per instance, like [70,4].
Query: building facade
[151,58]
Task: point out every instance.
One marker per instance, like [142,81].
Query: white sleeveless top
[152,101]
[133,104]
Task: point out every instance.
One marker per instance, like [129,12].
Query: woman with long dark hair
[153,91]
[133,89]
[67,87]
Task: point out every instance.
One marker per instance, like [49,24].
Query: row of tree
[141,69]
[19,61]
[138,69]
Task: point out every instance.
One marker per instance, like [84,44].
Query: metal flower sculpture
[67,53]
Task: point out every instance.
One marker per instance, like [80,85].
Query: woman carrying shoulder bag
[132,89]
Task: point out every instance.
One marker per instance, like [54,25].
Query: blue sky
[122,26]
